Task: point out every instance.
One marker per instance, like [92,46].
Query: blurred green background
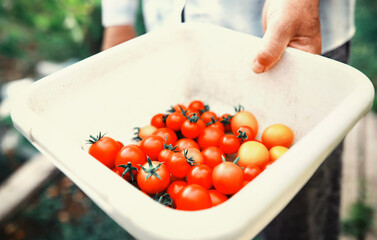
[62,30]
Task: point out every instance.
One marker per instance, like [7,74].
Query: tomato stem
[239,108]
[242,135]
[151,170]
[164,199]
[193,118]
[213,121]
[93,139]
[136,133]
[190,160]
[128,168]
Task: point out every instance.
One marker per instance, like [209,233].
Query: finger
[274,43]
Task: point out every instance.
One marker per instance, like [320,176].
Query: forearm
[115,35]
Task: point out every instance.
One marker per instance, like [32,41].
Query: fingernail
[257,67]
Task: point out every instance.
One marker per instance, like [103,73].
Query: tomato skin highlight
[217,197]
[152,146]
[244,118]
[210,136]
[167,134]
[201,175]
[185,143]
[227,178]
[277,135]
[193,197]
[175,120]
[105,151]
[212,156]
[253,153]
[229,144]
[153,184]
[129,154]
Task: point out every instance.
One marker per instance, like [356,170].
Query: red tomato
[229,144]
[195,154]
[244,118]
[158,120]
[174,189]
[245,133]
[191,111]
[153,177]
[175,120]
[198,105]
[167,134]
[165,155]
[179,164]
[208,116]
[227,178]
[251,172]
[152,146]
[212,156]
[120,144]
[104,149]
[200,174]
[129,154]
[225,120]
[185,143]
[217,124]
[193,197]
[217,197]
[192,127]
[210,136]
[277,135]
[177,108]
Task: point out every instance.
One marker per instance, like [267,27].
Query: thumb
[273,46]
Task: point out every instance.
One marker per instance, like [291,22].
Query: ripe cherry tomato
[193,197]
[225,120]
[208,116]
[200,174]
[192,127]
[166,153]
[253,153]
[174,189]
[198,105]
[276,152]
[210,136]
[129,154]
[195,154]
[277,135]
[227,177]
[251,172]
[185,143]
[104,149]
[179,164]
[175,120]
[243,118]
[158,120]
[153,177]
[217,197]
[245,133]
[178,108]
[229,144]
[212,156]
[152,146]
[167,134]
[190,111]
[216,123]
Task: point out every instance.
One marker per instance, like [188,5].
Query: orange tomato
[277,135]
[243,118]
[253,153]
[276,152]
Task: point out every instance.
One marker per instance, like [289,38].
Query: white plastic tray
[123,87]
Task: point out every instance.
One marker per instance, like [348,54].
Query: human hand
[115,35]
[293,23]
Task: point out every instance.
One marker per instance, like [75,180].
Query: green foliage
[50,30]
[364,44]
[359,220]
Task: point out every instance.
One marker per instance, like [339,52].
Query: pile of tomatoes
[191,158]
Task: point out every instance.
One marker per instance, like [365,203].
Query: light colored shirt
[336,16]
